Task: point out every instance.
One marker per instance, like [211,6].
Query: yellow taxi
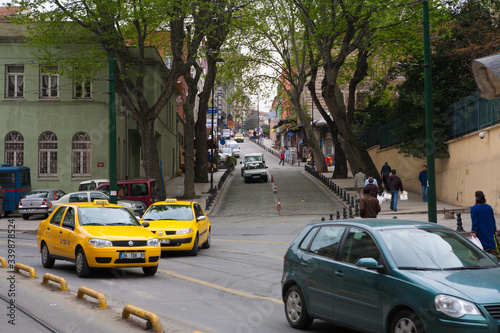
[238,137]
[179,225]
[97,235]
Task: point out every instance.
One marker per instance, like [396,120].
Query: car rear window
[37,194]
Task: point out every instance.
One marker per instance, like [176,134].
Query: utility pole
[112,133]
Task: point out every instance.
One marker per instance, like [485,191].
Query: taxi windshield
[169,212]
[106,216]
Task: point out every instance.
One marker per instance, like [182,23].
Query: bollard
[350,212]
[356,209]
[338,215]
[352,201]
[345,195]
[331,216]
[348,198]
[322,219]
[345,213]
[340,193]
[460,227]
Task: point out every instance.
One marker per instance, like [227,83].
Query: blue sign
[222,142]
[209,111]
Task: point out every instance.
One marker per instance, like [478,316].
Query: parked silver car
[38,201]
[136,207]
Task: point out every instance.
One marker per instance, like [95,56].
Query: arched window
[47,154]
[14,148]
[81,148]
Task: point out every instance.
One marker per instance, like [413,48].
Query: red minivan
[144,190]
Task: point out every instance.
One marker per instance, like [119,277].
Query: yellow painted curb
[4,262]
[153,319]
[99,296]
[49,277]
[29,269]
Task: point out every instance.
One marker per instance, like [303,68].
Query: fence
[470,114]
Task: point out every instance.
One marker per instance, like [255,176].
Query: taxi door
[67,236]
[202,224]
[52,233]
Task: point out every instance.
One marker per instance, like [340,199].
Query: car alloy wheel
[47,260]
[295,309]
[207,244]
[407,321]
[82,267]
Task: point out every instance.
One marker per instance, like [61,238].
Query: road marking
[247,241]
[17,242]
[228,290]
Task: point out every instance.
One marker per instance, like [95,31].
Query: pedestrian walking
[385,173]
[2,195]
[369,206]
[282,158]
[374,180]
[373,187]
[422,176]
[359,182]
[483,223]
[394,186]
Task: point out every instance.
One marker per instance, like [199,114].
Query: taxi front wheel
[149,271]
[82,267]
[194,250]
[47,260]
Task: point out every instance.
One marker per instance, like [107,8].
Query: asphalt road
[234,286]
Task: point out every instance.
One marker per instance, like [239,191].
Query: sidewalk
[174,189]
[412,209]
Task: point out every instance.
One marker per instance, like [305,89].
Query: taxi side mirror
[201,218]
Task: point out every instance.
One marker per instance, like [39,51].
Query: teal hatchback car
[390,276]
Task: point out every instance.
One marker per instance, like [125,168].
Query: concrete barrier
[50,277]
[153,319]
[3,262]
[29,269]
[99,296]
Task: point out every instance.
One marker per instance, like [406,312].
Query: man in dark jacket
[369,207]
[373,188]
[394,186]
[422,176]
[384,173]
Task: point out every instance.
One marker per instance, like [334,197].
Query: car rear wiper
[87,224]
[465,268]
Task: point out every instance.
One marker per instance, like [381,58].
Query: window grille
[47,150]
[14,148]
[81,147]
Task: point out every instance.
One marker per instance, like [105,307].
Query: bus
[16,181]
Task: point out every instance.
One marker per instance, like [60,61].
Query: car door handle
[305,263]
[339,274]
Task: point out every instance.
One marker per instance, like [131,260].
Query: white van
[90,185]
[254,157]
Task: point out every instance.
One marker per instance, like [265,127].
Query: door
[318,267]
[358,291]
[67,238]
[53,232]
[202,225]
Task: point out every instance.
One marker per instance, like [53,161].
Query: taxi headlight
[153,242]
[100,242]
[455,307]
[184,231]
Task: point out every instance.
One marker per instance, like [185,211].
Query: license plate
[132,255]
[165,241]
[255,176]
[31,210]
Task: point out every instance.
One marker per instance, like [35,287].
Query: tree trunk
[354,149]
[341,171]
[150,159]
[189,190]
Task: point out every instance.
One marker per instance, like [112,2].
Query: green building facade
[60,128]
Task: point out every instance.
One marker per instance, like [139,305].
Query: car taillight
[44,202]
[50,205]
[20,203]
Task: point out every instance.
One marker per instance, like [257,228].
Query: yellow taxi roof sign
[101,202]
[170,200]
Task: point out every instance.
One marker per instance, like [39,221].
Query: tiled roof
[6,12]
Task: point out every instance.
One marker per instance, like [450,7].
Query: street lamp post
[212,159]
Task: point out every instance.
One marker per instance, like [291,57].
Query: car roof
[378,223]
[253,154]
[172,201]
